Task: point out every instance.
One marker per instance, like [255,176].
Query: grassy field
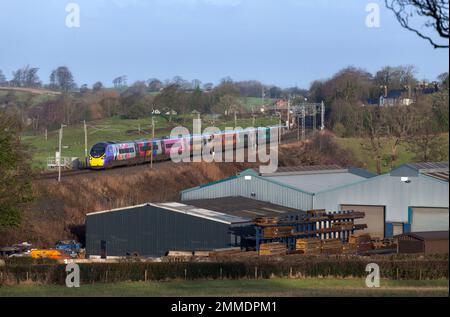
[237,288]
[31,99]
[254,103]
[355,144]
[114,129]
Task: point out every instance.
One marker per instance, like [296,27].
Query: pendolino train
[106,155]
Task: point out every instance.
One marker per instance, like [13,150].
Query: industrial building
[155,229]
[412,197]
[435,242]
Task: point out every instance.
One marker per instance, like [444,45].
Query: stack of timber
[347,214]
[323,216]
[274,248]
[202,254]
[264,221]
[343,225]
[363,242]
[179,254]
[225,252]
[383,244]
[309,246]
[274,232]
[331,246]
[349,248]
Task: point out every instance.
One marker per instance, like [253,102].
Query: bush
[260,268]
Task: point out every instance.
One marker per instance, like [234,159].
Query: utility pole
[85,140]
[303,122]
[235,120]
[279,130]
[298,126]
[314,119]
[322,114]
[153,137]
[289,114]
[46,134]
[60,154]
[262,96]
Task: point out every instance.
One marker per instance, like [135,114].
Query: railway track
[66,173]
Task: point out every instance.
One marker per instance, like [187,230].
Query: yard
[240,288]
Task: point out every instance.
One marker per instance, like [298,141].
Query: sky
[280,42]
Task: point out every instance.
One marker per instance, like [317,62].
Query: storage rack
[312,224]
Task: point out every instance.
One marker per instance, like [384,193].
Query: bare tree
[374,133]
[432,13]
[400,121]
[62,79]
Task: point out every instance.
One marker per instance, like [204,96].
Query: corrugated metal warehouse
[293,187]
[155,229]
[413,197]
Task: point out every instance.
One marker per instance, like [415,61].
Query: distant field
[254,103]
[115,129]
[239,288]
[404,156]
[29,97]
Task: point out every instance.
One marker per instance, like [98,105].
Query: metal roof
[185,209]
[203,213]
[429,166]
[244,207]
[305,179]
[438,170]
[313,168]
[314,179]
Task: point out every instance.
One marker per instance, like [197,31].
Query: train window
[125,151]
[98,150]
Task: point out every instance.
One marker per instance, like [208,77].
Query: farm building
[435,242]
[413,197]
[155,229]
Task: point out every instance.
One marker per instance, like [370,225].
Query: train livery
[106,155]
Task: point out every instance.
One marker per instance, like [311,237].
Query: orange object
[47,254]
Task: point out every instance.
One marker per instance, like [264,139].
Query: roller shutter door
[429,219]
[374,219]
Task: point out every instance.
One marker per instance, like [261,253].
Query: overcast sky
[281,42]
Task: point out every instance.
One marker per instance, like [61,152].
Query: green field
[404,156]
[116,129]
[254,103]
[29,99]
[237,288]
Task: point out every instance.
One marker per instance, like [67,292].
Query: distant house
[280,104]
[395,98]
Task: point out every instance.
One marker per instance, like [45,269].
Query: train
[110,154]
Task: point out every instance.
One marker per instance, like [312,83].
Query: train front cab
[97,156]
